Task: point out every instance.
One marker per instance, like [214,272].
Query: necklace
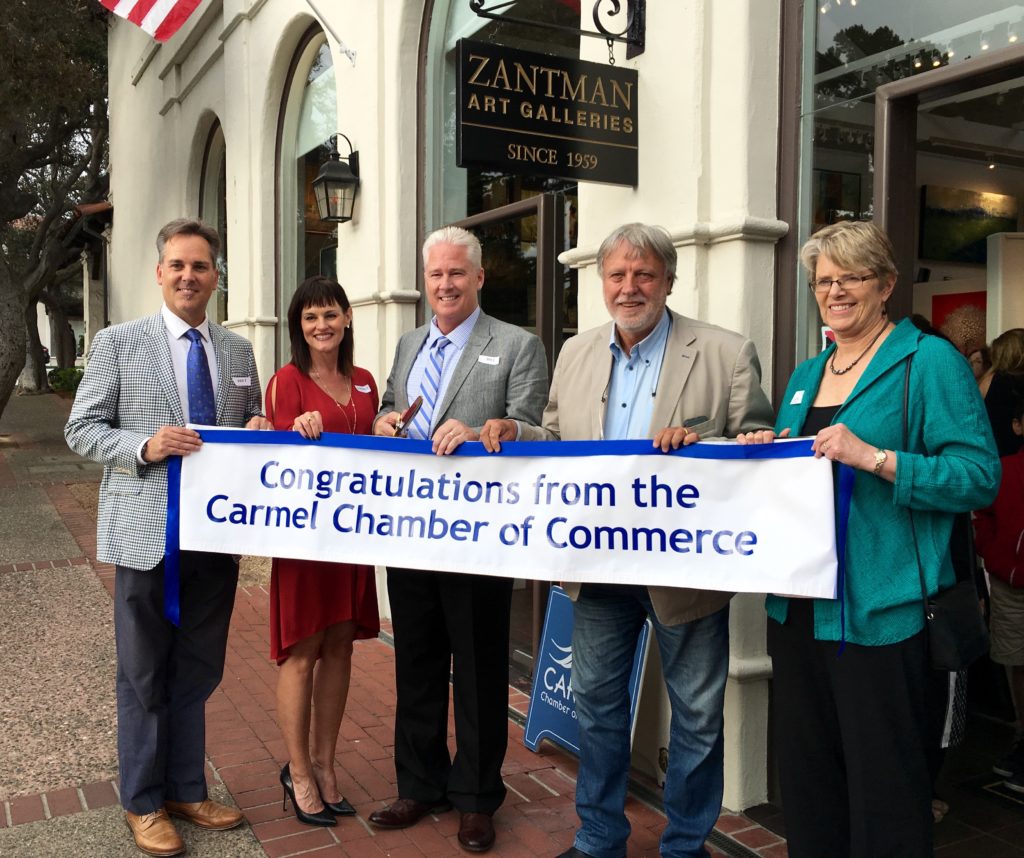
[832,363]
[350,423]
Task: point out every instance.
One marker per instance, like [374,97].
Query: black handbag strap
[913,530]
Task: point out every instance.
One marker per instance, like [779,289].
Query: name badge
[242,380]
[489,359]
[798,397]
[363,388]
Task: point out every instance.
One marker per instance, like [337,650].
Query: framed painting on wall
[963,299]
[955,223]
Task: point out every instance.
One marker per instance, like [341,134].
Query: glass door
[525,285]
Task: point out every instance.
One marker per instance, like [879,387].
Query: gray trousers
[165,675]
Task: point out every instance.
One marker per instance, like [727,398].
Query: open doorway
[949,189]
[527,286]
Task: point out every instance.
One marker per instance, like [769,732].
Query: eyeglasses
[847,281]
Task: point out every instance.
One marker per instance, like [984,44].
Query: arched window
[213,207]
[308,245]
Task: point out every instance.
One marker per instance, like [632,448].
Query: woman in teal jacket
[850,675]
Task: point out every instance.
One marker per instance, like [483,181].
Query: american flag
[160,18]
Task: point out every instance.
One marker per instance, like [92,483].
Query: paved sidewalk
[58,758]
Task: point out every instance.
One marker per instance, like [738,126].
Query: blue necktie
[201,406]
[429,388]
[201,409]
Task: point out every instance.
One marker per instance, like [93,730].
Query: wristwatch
[142,451]
[881,457]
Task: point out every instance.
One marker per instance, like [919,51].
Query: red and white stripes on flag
[160,18]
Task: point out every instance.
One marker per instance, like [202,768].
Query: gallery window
[969,143]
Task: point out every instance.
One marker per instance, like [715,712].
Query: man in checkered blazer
[130,414]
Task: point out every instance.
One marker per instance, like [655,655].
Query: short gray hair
[460,238]
[188,226]
[643,238]
[850,244]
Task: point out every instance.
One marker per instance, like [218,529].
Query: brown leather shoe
[154,833]
[405,812]
[476,832]
[207,814]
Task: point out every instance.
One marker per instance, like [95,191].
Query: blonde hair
[1008,351]
[850,244]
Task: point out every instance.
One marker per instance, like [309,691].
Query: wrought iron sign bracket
[633,34]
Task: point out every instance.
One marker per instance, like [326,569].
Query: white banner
[715,516]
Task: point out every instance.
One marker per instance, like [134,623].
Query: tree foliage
[53,145]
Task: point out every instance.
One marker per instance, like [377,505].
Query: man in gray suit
[144,381]
[469,368]
[649,373]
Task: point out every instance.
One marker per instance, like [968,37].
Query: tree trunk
[33,375]
[12,346]
[62,338]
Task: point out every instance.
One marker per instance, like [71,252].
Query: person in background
[1002,386]
[999,531]
[981,361]
[318,609]
[947,690]
[850,675]
[145,381]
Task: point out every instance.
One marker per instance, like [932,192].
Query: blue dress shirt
[634,383]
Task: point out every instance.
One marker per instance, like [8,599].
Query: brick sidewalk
[245,751]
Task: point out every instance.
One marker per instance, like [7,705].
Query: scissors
[402,425]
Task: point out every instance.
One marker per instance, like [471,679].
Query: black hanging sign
[534,114]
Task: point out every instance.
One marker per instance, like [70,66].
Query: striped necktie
[201,407]
[429,388]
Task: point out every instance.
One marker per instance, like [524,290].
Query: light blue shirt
[458,337]
[634,383]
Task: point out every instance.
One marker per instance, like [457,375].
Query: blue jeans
[695,663]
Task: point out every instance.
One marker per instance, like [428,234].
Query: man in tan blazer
[649,373]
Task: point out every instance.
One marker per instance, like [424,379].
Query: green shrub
[64,379]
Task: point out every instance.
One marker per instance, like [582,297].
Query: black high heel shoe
[338,808]
[321,817]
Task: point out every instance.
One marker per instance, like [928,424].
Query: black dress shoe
[573,852]
[406,811]
[321,817]
[476,832]
[338,808]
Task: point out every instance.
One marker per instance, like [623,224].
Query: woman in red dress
[318,609]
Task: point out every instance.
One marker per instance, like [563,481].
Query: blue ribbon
[789,450]
[846,477]
[172,553]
